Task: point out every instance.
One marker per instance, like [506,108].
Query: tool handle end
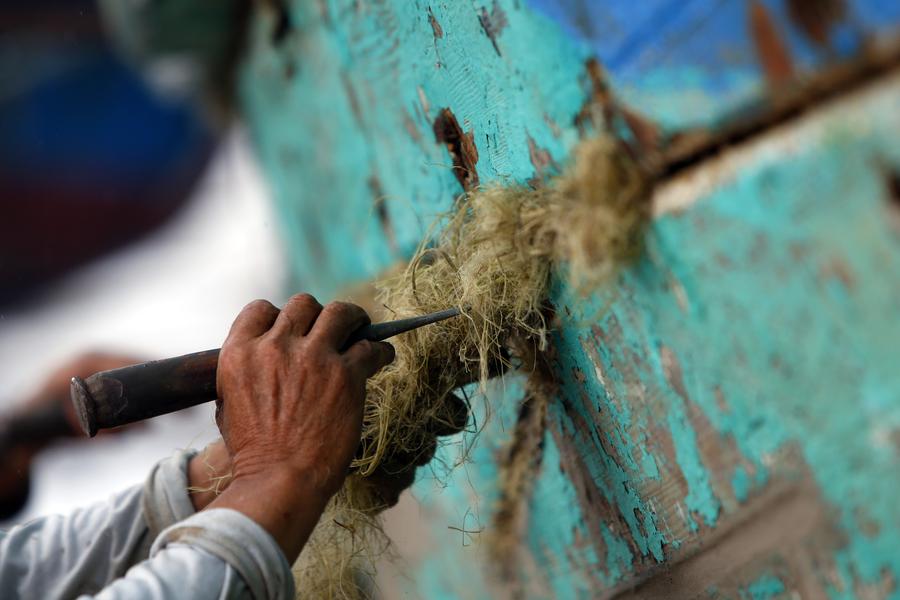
[85,406]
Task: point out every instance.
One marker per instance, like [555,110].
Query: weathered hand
[290,399]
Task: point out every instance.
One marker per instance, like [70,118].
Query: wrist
[316,479]
[280,501]
[209,474]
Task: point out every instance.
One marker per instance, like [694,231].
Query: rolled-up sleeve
[145,543]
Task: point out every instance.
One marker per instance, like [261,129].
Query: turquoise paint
[766,587]
[741,483]
[612,474]
[770,407]
[565,535]
[766,326]
[700,499]
[326,126]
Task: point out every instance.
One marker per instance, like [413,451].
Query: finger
[254,320]
[452,418]
[220,414]
[337,321]
[297,316]
[367,358]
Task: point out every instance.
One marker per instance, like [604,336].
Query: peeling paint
[714,375]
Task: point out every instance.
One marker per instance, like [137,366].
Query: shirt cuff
[165,500]
[239,541]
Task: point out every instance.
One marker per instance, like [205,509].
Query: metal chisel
[137,392]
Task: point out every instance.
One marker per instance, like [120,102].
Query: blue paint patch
[690,62]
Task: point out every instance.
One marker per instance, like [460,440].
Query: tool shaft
[137,392]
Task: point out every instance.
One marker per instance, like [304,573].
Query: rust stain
[721,402]
[601,109]
[460,145]
[771,49]
[816,18]
[597,110]
[554,128]
[493,23]
[541,160]
[837,268]
[435,25]
[645,132]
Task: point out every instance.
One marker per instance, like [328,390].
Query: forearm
[81,553]
[281,501]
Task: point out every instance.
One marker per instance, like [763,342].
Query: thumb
[367,358]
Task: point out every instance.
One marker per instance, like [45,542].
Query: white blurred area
[176,291]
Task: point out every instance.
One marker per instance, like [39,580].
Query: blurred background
[133,225]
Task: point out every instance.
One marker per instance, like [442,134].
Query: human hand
[290,398]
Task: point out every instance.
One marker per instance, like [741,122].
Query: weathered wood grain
[742,368]
[738,376]
[730,407]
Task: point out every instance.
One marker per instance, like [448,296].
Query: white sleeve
[95,550]
[215,554]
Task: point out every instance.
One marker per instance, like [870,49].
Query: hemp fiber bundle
[493,259]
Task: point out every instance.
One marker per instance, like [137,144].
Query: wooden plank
[687,406]
[738,400]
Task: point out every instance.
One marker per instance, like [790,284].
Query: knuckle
[304,300]
[336,308]
[270,348]
[258,306]
[366,347]
[231,359]
[344,310]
